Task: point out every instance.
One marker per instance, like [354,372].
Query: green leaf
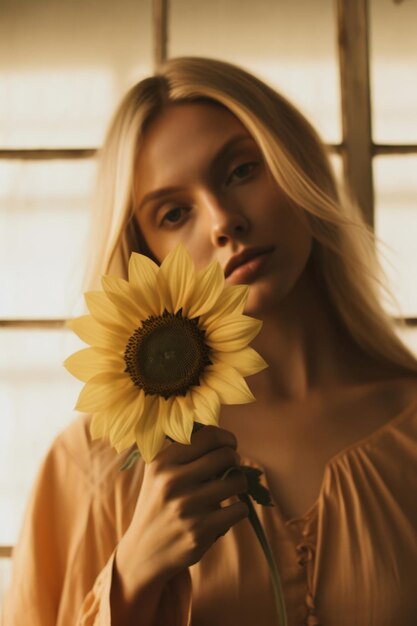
[257,491]
[131,460]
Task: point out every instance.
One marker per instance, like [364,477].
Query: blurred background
[349,65]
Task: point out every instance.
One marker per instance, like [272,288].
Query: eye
[243,171]
[172,216]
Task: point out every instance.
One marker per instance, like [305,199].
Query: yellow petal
[111,377]
[177,275]
[108,420]
[233,332]
[122,444]
[164,294]
[123,297]
[105,312]
[177,419]
[231,301]
[86,363]
[143,273]
[95,397]
[125,421]
[206,405]
[228,384]
[246,361]
[93,333]
[150,436]
[208,286]
[98,426]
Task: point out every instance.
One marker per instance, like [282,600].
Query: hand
[178,515]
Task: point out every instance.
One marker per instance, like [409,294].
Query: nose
[226,223]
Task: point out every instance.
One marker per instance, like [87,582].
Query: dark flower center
[167,355]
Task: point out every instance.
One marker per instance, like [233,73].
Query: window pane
[5,571]
[291,45]
[393,49]
[396,226]
[36,399]
[64,66]
[337,164]
[409,336]
[43,229]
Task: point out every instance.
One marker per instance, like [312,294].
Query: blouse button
[312,619]
[304,554]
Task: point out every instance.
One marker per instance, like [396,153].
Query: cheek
[303,244]
[294,244]
[161,242]
[291,229]
[299,244]
[200,256]
[149,242]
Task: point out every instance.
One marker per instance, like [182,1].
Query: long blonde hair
[344,249]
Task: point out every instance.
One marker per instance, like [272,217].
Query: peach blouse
[350,560]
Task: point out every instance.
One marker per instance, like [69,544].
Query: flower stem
[276,582]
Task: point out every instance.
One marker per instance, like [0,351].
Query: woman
[205,154]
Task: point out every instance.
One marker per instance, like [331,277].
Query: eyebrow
[222,152]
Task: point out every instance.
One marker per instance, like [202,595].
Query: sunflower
[168,346]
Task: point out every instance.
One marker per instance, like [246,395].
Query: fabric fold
[349,560]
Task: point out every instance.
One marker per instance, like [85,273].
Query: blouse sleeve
[174,608]
[63,560]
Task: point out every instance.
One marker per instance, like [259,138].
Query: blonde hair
[343,253]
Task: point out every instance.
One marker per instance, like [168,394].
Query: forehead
[183,136]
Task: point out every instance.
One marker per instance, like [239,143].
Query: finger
[218,522]
[203,441]
[208,467]
[211,494]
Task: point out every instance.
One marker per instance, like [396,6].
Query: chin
[267,296]
[261,300]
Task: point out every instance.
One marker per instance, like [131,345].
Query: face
[201,180]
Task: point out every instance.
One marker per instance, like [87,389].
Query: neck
[306,347]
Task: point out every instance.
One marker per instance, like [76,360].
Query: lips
[243,257]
